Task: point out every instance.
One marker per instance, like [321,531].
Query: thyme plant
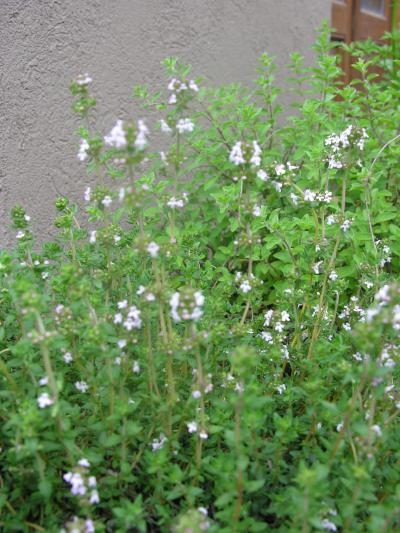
[212,343]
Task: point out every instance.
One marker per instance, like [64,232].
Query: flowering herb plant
[215,344]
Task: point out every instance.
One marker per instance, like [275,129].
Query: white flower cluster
[186,305]
[338,144]
[311,196]
[352,313]
[274,173]
[202,386]
[231,382]
[346,225]
[176,202]
[185,125]
[158,444]
[176,86]
[87,196]
[276,322]
[141,136]
[147,295]
[44,400]
[117,136]
[153,249]
[82,484]
[246,283]
[385,253]
[81,386]
[193,427]
[83,79]
[83,148]
[387,308]
[164,127]
[242,153]
[78,525]
[129,317]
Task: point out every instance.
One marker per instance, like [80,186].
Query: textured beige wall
[46,43]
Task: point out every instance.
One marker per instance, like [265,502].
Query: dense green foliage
[214,345]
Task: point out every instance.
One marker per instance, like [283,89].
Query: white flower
[164,127]
[309,196]
[107,201]
[257,210]
[136,367]
[377,430]
[67,357]
[203,435]
[294,198]
[116,138]
[171,85]
[89,526]
[82,386]
[317,267]
[172,99]
[245,286]
[339,427]
[196,394]
[77,483]
[192,427]
[193,86]
[330,220]
[20,234]
[175,202]
[188,308]
[328,525]
[84,79]
[133,320]
[266,336]
[141,137]
[347,326]
[83,148]
[280,170]
[236,156]
[118,318]
[87,194]
[121,343]
[84,462]
[333,275]
[158,444]
[346,224]
[281,388]
[153,249]
[277,185]
[184,125]
[43,381]
[94,497]
[255,158]
[123,304]
[262,175]
[44,400]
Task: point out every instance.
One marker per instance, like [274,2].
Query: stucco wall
[46,43]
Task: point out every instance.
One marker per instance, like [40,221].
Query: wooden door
[354,20]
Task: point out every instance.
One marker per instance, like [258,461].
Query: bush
[215,347]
